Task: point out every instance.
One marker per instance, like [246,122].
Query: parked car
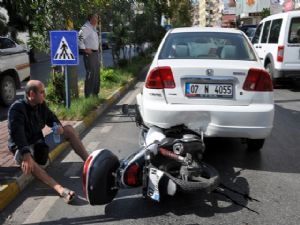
[249,30]
[211,80]
[14,68]
[105,40]
[277,45]
[244,28]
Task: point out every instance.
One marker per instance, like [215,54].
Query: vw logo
[209,72]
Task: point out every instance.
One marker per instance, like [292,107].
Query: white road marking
[105,129]
[73,169]
[41,210]
[92,146]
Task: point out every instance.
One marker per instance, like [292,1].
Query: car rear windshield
[207,45]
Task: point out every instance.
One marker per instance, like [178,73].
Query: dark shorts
[39,152]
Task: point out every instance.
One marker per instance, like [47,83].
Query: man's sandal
[68,195]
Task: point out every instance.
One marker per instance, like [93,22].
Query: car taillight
[160,77]
[280,52]
[85,171]
[132,175]
[258,80]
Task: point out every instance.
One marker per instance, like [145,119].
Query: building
[229,15]
[207,13]
[249,11]
[232,13]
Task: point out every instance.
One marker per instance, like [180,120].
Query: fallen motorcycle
[169,161]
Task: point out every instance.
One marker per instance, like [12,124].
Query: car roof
[282,15]
[204,29]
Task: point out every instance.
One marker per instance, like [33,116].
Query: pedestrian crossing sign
[64,47]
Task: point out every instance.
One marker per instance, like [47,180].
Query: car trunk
[209,82]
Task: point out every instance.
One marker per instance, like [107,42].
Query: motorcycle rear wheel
[101,183]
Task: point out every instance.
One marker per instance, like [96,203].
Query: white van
[277,43]
[14,68]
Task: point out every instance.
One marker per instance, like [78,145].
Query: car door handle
[258,47]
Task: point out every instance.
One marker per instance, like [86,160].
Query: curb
[9,191]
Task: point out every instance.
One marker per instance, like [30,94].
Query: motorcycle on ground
[168,161]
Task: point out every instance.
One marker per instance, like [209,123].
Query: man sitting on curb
[26,119]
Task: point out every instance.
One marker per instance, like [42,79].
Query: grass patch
[79,108]
[111,80]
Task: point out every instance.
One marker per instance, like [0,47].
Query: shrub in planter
[56,88]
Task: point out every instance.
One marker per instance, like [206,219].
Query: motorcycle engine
[189,143]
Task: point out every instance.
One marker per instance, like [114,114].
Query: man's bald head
[33,85]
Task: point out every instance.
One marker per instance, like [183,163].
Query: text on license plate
[209,90]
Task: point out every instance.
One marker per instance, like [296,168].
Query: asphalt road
[271,178]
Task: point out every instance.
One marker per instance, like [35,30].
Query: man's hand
[27,163]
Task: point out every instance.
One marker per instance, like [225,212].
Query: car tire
[270,69]
[255,144]
[8,90]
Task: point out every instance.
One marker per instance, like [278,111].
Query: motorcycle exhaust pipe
[171,155]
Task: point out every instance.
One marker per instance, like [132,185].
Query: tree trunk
[72,70]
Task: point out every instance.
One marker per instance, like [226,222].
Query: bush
[56,88]
[110,75]
[122,63]
[111,80]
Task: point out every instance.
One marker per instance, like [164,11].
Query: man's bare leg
[43,176]
[72,136]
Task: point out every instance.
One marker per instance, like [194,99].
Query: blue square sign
[64,47]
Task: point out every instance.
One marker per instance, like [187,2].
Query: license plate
[209,90]
[154,177]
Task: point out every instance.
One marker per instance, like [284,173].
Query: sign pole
[64,52]
[68,97]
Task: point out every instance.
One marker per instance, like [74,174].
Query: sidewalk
[12,181]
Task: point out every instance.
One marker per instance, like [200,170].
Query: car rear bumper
[287,73]
[252,121]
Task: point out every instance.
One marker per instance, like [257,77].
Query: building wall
[297,4]
[251,6]
[248,11]
[202,13]
[207,13]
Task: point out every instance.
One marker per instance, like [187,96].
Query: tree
[3,26]
[180,13]
[265,12]
[19,13]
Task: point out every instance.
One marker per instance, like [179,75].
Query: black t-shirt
[25,124]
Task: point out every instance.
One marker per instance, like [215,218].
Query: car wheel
[8,90]
[270,69]
[255,144]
